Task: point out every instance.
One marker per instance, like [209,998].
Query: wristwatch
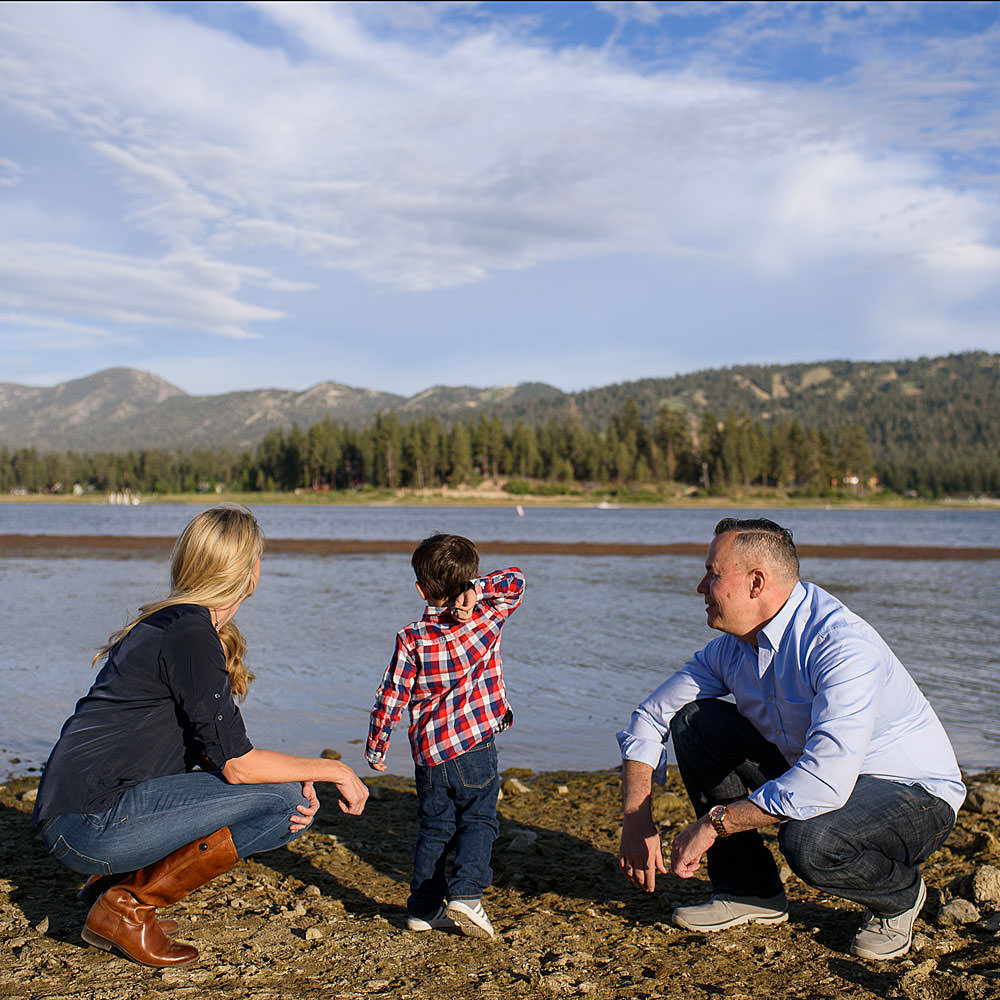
[717,814]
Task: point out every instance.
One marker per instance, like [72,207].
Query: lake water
[594,635]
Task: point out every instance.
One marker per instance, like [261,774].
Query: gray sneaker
[440,921]
[470,917]
[723,911]
[881,937]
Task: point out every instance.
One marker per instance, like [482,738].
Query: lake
[595,633]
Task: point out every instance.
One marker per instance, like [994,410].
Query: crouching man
[829,737]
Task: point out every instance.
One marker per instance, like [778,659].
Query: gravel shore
[325,916]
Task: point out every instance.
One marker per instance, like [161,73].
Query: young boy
[446,668]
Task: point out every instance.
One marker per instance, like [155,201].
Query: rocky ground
[325,916]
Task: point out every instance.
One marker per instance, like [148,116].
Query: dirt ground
[324,917]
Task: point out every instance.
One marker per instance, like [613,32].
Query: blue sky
[398,195]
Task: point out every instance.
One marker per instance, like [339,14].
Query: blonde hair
[212,564]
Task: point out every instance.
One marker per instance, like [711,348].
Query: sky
[401,195]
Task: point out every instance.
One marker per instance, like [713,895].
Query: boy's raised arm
[503,589]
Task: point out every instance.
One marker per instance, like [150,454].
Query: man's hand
[377,766]
[298,822]
[689,847]
[640,855]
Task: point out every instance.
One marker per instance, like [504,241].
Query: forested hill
[924,410]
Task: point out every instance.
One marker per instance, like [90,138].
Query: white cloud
[188,292]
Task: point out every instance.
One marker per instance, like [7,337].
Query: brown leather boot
[96,886]
[124,918]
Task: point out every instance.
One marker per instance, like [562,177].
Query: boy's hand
[380,766]
[464,605]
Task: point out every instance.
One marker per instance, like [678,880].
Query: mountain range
[954,399]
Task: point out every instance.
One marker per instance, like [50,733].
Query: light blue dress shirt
[828,692]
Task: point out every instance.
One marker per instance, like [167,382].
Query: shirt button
[219,717]
[217,695]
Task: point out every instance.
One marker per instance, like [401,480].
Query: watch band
[717,814]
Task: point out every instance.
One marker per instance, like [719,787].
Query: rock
[563,790]
[313,890]
[983,799]
[30,795]
[958,912]
[522,842]
[42,926]
[920,941]
[987,843]
[921,972]
[329,754]
[313,934]
[986,885]
[784,873]
[514,786]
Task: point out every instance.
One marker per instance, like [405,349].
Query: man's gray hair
[758,538]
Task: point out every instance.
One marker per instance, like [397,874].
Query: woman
[153,788]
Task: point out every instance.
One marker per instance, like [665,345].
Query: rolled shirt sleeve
[195,671]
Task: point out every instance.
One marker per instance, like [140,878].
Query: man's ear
[420,590]
[757,580]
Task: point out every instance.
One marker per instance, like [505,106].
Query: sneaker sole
[746,918]
[468,926]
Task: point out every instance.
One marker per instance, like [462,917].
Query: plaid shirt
[448,673]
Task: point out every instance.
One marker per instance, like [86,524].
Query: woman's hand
[353,793]
[301,820]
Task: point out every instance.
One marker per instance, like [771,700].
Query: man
[829,737]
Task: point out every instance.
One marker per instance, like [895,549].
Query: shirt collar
[777,626]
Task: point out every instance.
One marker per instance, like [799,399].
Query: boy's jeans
[155,817]
[868,851]
[457,809]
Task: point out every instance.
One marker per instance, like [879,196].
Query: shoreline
[493,497]
[325,917]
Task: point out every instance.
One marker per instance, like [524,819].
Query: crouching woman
[153,788]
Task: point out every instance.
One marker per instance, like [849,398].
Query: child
[446,668]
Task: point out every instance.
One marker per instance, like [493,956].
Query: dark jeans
[155,817]
[868,851]
[457,809]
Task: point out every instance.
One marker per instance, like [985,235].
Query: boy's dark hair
[444,564]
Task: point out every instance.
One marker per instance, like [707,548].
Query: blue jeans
[868,851]
[154,818]
[457,809]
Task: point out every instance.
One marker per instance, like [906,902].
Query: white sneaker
[881,937]
[723,911]
[470,917]
[439,922]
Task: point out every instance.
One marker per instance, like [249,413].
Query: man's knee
[681,725]
[815,850]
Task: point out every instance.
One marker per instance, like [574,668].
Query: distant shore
[491,496]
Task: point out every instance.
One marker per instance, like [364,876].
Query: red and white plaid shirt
[448,672]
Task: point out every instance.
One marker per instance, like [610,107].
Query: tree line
[560,455]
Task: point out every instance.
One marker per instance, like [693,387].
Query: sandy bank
[147,547]
[324,918]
